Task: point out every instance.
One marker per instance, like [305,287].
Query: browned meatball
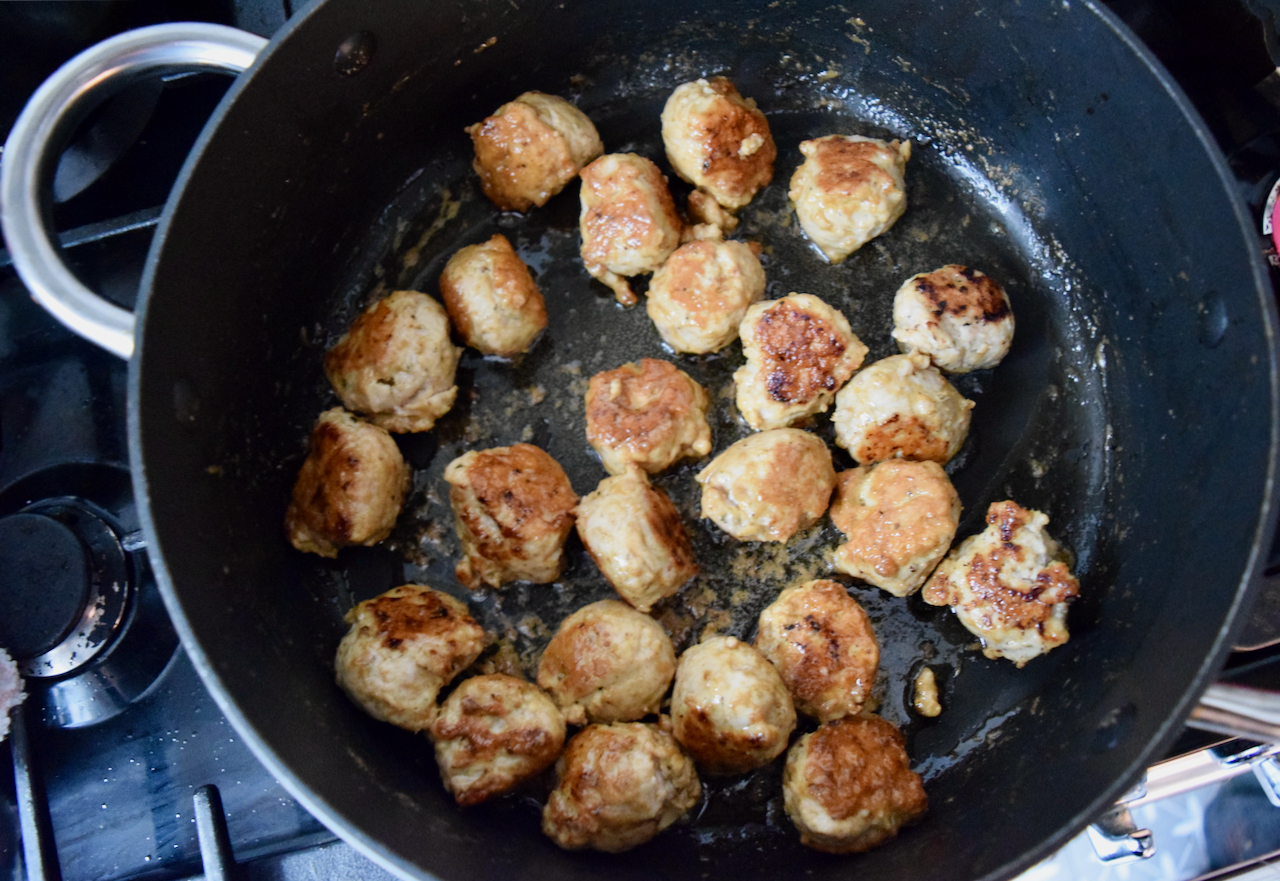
[350,487]
[648,413]
[492,299]
[957,316]
[701,294]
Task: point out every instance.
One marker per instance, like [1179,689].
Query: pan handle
[1238,711]
[39,136]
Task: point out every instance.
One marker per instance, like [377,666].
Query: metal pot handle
[39,136]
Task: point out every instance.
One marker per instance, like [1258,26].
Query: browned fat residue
[964,293]
[801,352]
[905,436]
[845,167]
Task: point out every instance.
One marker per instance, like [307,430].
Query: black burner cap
[44,582]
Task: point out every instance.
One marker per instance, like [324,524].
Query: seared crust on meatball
[957,316]
[493,733]
[901,407]
[607,663]
[647,413]
[701,294]
[1010,585]
[618,786]
[768,486]
[513,509]
[402,648]
[396,363]
[492,299]
[799,351]
[629,222]
[849,787]
[718,141]
[635,535]
[822,643]
[350,487]
[729,708]
[848,190]
[899,517]
[530,148]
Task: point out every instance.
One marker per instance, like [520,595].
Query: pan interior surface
[1140,384]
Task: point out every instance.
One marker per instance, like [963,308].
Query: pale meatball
[799,352]
[396,364]
[618,786]
[957,316]
[848,190]
[635,535]
[647,413]
[901,407]
[769,486]
[513,509]
[629,222]
[350,487]
[701,294]
[899,517]
[710,219]
[492,299]
[824,647]
[607,663]
[530,148]
[402,648]
[718,141]
[849,787]
[1010,585]
[493,733]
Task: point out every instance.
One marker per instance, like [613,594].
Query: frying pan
[1138,407]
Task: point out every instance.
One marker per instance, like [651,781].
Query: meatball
[492,299]
[350,487]
[799,351]
[513,509]
[710,219]
[822,643]
[1009,585]
[730,709]
[530,148]
[402,648]
[648,413]
[396,363]
[718,141]
[493,733]
[848,190]
[768,486]
[849,787]
[629,222]
[701,294]
[901,407]
[899,517]
[635,535]
[607,663]
[957,316]
[619,786]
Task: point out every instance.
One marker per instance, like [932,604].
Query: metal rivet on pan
[354,53]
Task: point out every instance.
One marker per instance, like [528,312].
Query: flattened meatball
[824,647]
[629,222]
[769,486]
[901,407]
[730,709]
[849,787]
[701,294]
[513,509]
[957,316]
[900,517]
[493,733]
[530,148]
[492,299]
[607,663]
[718,141]
[396,363]
[648,413]
[350,487]
[635,535]
[402,648]
[848,190]
[619,786]
[1009,585]
[799,351]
